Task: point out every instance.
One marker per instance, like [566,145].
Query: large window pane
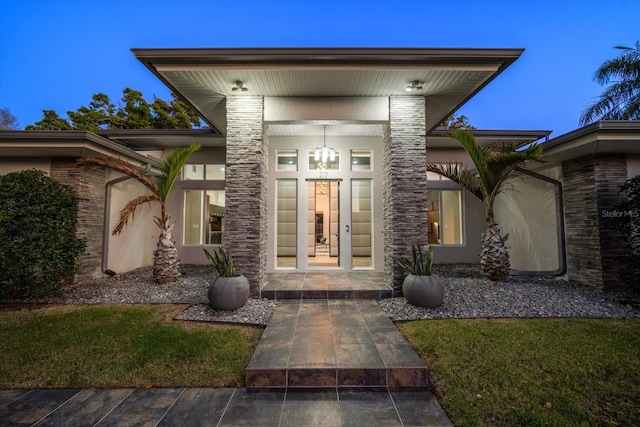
[287,223]
[361,218]
[215,172]
[193,172]
[444,213]
[451,218]
[193,210]
[204,212]
[214,212]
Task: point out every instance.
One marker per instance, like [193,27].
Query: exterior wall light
[415,85]
[239,87]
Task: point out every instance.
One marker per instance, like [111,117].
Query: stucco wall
[16,164]
[133,248]
[633,166]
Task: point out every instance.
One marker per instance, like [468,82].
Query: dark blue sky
[57,54]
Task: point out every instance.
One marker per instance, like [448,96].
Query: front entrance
[325,210]
[323,240]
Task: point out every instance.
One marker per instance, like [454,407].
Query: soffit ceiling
[205,77]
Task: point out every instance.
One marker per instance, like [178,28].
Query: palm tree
[492,168]
[166,265]
[621,100]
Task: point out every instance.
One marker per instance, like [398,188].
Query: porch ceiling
[205,77]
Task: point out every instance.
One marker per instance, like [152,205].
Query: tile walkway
[333,343]
[328,357]
[219,407]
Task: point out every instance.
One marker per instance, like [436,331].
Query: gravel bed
[467,295]
[466,298]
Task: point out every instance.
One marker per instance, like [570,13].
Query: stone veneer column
[89,182]
[594,242]
[246,188]
[405,182]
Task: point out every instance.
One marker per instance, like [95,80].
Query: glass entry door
[323,224]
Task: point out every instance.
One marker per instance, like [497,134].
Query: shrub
[38,245]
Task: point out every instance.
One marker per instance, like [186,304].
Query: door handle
[347,228]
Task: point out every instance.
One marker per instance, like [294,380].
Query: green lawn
[543,372]
[119,346]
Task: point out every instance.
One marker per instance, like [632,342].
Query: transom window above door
[199,172]
[317,163]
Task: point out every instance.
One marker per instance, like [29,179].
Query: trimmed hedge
[39,249]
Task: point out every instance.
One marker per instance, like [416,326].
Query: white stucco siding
[133,248]
[9,165]
[633,166]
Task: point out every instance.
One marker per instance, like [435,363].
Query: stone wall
[405,182]
[89,182]
[246,188]
[593,240]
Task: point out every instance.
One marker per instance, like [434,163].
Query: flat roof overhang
[604,137]
[161,139]
[439,138]
[204,77]
[74,144]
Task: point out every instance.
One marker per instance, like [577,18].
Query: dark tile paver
[198,407]
[86,408]
[419,408]
[367,408]
[254,409]
[33,406]
[143,407]
[311,408]
[8,396]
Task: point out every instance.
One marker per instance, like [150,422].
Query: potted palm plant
[421,288]
[229,290]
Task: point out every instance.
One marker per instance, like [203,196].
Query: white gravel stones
[255,312]
[517,298]
[467,295]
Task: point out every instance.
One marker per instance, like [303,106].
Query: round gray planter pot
[423,291]
[228,293]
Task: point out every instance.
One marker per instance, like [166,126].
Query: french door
[324,224]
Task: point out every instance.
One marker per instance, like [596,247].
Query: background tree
[98,115]
[50,121]
[621,100]
[133,112]
[166,265]
[493,166]
[457,122]
[7,120]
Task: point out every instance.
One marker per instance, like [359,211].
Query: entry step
[333,343]
[352,285]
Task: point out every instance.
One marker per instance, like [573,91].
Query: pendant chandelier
[325,153]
